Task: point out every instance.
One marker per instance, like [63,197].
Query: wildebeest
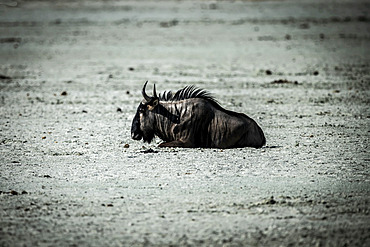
[191,118]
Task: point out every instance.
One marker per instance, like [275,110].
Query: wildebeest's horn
[154,92]
[146,97]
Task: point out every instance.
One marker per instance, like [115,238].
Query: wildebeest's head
[142,124]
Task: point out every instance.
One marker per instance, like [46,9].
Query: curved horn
[146,97]
[154,92]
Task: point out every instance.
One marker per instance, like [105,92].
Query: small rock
[64,93]
[131,69]
[284,81]
[212,6]
[14,193]
[315,73]
[4,77]
[126,145]
[362,18]
[268,72]
[304,26]
[119,109]
[167,24]
[149,151]
[271,201]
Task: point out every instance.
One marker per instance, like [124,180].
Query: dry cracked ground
[71,74]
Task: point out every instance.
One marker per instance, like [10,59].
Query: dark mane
[187,92]
[192,91]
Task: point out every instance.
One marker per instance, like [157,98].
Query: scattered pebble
[4,77]
[284,81]
[271,201]
[11,40]
[126,145]
[304,26]
[14,193]
[119,109]
[168,23]
[212,6]
[147,151]
[64,93]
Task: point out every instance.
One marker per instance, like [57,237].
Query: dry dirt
[71,73]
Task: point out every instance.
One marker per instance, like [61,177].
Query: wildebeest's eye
[142,108]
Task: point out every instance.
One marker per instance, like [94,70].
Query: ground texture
[71,74]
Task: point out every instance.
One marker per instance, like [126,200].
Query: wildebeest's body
[191,118]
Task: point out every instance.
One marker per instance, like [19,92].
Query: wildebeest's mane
[187,92]
[190,92]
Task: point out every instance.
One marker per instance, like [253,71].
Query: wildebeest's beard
[148,135]
[147,123]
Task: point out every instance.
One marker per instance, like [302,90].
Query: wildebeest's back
[207,124]
[230,129]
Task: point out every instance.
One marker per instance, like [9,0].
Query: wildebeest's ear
[153,105]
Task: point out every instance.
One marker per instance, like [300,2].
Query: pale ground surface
[66,178]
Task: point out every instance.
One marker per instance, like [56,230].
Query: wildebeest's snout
[136,133]
[136,136]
